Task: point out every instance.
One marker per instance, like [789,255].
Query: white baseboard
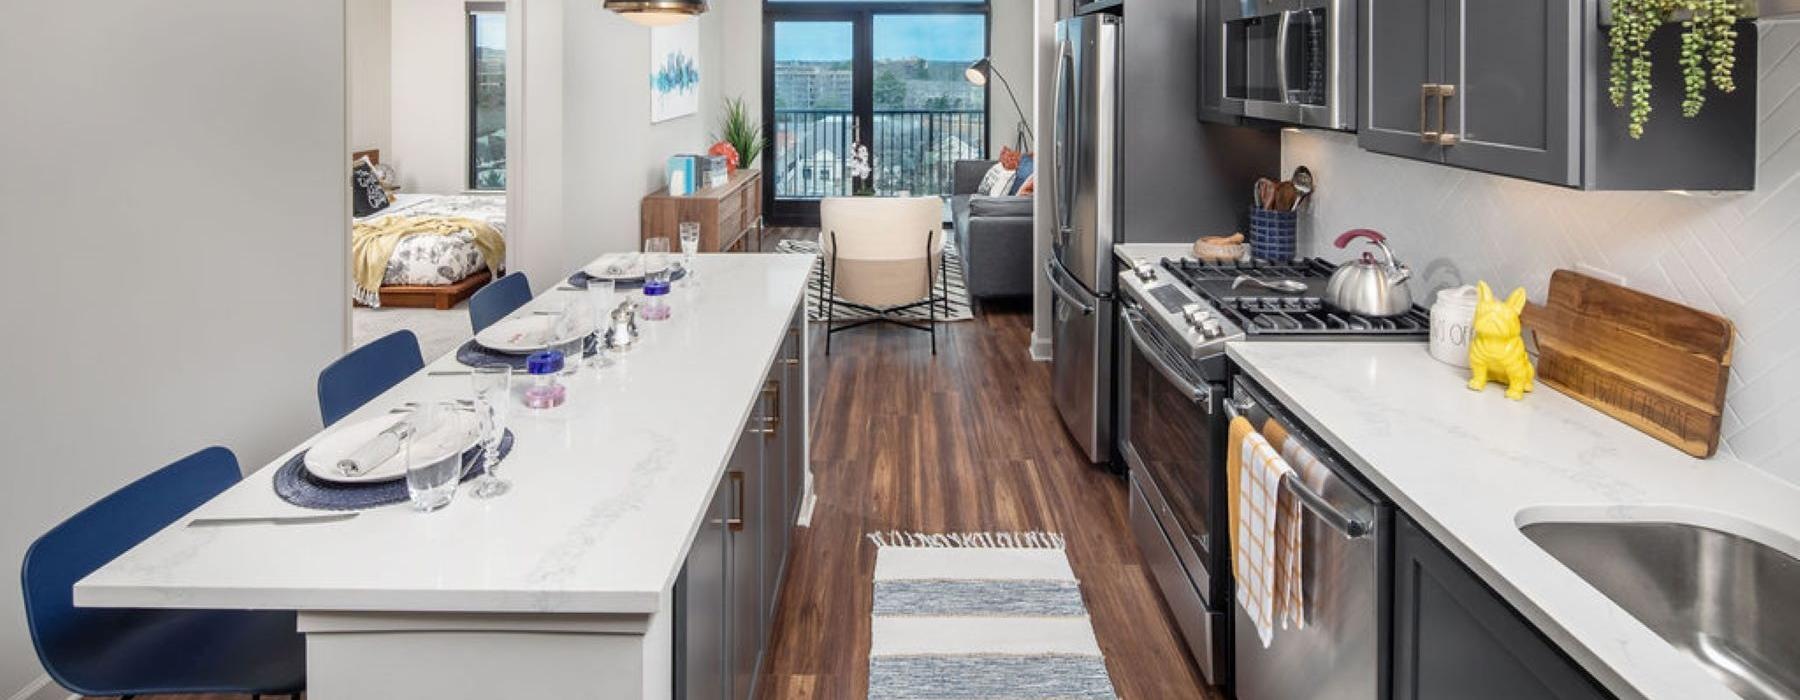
[44,689]
[1041,350]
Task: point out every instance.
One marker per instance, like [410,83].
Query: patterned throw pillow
[1009,158]
[997,181]
[1030,186]
[366,194]
[1022,173]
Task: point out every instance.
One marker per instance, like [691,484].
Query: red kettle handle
[1344,240]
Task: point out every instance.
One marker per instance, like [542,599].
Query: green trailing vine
[1708,51]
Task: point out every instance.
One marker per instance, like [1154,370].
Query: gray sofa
[993,234]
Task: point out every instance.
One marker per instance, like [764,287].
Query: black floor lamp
[978,73]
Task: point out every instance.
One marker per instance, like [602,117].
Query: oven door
[1174,440]
[1287,60]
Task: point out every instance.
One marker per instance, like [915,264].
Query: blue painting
[674,71]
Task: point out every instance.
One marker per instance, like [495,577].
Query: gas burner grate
[1283,315]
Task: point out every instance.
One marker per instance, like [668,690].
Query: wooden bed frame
[440,297]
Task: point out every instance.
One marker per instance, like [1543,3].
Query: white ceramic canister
[1452,321]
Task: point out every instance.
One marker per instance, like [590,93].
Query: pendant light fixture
[657,13]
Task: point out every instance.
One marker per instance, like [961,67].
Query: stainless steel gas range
[1175,397]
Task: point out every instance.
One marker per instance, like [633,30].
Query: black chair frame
[938,283]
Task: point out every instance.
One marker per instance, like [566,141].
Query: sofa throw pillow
[996,182]
[366,195]
[1030,187]
[1009,158]
[1027,164]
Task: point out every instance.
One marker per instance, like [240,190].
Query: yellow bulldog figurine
[1497,353]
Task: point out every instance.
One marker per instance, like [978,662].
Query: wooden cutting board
[1656,365]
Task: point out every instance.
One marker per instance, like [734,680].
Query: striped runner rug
[959,309]
[980,615]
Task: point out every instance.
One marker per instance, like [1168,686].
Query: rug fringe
[1030,539]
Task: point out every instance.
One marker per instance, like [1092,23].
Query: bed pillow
[996,182]
[366,195]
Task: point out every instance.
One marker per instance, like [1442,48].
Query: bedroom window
[487,95]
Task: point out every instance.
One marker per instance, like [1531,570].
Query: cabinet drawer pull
[736,522]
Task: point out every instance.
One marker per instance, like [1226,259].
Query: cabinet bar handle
[1426,90]
[1444,93]
[736,522]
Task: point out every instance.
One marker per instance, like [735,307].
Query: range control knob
[1197,314]
[1145,271]
[1211,328]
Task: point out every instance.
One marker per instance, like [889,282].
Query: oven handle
[1199,395]
[1351,528]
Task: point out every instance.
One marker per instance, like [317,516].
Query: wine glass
[690,245]
[493,399]
[602,295]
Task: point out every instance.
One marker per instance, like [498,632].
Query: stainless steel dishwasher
[1347,553]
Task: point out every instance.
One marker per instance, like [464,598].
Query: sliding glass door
[887,77]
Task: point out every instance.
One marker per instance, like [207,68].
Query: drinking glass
[656,279]
[690,245]
[603,296]
[656,256]
[493,398]
[434,456]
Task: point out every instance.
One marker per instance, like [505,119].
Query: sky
[931,37]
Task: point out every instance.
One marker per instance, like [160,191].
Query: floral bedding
[441,260]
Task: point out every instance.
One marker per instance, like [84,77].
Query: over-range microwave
[1290,61]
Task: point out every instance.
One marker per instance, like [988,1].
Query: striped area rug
[980,615]
[815,289]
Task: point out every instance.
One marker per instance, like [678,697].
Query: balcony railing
[914,151]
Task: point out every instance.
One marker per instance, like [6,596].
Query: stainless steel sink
[1731,603]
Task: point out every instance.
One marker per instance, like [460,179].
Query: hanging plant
[1708,50]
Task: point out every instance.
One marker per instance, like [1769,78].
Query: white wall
[430,93]
[1733,255]
[174,205]
[1045,14]
[371,70]
[1012,38]
[592,153]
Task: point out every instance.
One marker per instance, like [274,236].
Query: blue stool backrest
[501,297]
[97,535]
[365,372]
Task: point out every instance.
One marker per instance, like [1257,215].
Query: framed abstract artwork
[674,71]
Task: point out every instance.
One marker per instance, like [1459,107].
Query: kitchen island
[640,514]
[1473,469]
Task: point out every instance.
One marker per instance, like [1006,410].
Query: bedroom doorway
[428,114]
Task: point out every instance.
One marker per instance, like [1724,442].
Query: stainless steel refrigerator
[1131,163]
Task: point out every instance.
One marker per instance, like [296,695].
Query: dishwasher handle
[1349,527]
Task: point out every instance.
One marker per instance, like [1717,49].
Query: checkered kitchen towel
[1262,577]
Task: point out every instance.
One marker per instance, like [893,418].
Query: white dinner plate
[459,431]
[617,267]
[528,334]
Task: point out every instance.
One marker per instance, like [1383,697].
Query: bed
[432,271]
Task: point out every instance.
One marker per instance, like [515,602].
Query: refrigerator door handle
[1065,171]
[1056,285]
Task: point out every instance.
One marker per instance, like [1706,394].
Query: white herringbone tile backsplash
[1737,255]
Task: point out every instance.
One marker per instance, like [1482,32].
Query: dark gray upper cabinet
[1455,638]
[1519,88]
[1400,40]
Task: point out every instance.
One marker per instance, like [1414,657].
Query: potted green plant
[1708,43]
[741,131]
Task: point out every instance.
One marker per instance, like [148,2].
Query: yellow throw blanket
[372,245]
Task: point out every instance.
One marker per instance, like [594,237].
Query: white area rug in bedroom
[439,331]
[980,615]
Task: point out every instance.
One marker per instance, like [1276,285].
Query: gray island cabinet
[1519,88]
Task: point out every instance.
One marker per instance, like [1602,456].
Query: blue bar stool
[501,297]
[127,652]
[348,383]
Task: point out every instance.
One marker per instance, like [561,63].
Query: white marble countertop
[1472,467]
[608,490]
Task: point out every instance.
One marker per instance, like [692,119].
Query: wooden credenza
[728,214]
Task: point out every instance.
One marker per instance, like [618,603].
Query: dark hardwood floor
[967,440]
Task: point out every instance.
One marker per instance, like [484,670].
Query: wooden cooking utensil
[1286,196]
[1654,364]
[1265,193]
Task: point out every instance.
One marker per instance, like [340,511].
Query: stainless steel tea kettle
[1366,286]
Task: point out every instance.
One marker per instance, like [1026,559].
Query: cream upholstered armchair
[882,256]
